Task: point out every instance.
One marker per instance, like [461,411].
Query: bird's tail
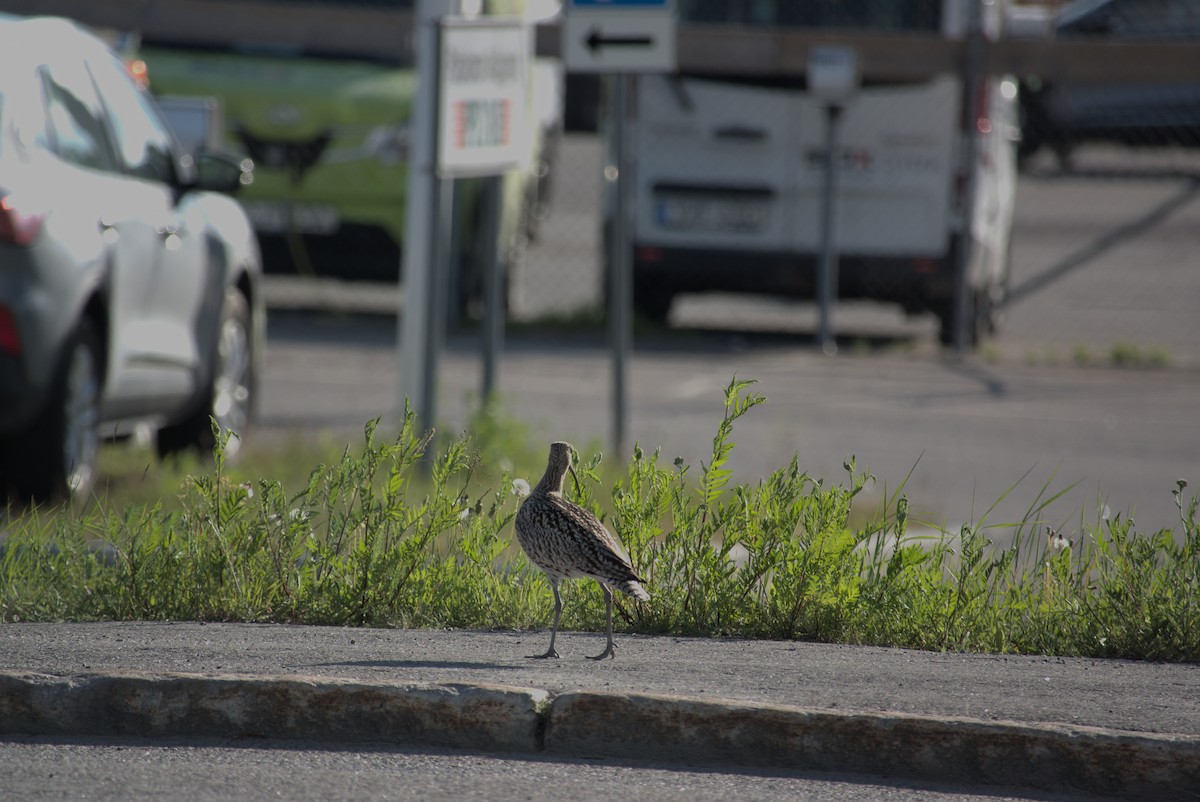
[632,587]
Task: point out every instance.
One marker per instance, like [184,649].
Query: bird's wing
[604,546]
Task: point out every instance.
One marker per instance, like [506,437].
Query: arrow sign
[624,37]
[596,39]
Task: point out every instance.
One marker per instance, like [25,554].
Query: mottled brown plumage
[568,542]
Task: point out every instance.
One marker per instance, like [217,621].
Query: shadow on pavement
[398,664]
[1093,250]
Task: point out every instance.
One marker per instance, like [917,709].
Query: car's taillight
[139,73]
[648,253]
[983,115]
[10,338]
[976,130]
[18,226]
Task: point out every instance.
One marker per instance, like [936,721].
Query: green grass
[1121,354]
[415,532]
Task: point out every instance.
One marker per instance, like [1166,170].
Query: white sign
[483,112]
[832,73]
[619,36]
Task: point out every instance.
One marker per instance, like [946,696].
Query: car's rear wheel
[652,301]
[55,459]
[229,400]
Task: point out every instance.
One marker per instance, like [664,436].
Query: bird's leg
[554,631]
[611,649]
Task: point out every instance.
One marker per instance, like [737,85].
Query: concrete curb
[482,717]
[1042,756]
[330,295]
[614,725]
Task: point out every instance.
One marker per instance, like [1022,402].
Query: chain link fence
[1081,197]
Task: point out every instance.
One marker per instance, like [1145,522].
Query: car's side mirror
[220,171]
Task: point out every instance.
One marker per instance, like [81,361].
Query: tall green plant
[412,533]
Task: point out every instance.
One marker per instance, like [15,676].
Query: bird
[568,542]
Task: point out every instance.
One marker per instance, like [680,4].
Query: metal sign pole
[417,360]
[493,284]
[621,39]
[439,288]
[620,269]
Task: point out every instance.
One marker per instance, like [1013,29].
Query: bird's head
[561,459]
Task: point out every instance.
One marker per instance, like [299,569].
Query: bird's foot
[610,652]
[549,653]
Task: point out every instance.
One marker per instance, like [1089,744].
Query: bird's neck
[550,484]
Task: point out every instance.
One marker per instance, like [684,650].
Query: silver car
[129,288]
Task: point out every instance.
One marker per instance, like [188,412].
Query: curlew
[568,542]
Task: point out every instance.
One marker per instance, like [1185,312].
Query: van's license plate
[269,217]
[690,213]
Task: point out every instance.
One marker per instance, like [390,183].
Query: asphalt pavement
[1081,726]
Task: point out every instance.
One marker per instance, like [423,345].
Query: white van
[729,175]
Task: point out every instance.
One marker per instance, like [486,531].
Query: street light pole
[832,80]
[827,278]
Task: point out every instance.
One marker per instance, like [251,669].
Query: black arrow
[596,40]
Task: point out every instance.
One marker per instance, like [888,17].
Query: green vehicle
[327,123]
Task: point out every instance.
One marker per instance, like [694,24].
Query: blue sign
[620,3]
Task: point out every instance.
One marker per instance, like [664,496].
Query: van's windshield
[336,30]
[386,4]
[881,15]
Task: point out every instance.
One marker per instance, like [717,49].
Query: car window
[74,116]
[144,144]
[1165,17]
[22,98]
[23,112]
[872,14]
[1148,18]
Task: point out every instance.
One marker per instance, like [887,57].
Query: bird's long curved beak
[571,468]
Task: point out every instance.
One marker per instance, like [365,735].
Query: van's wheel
[981,315]
[229,399]
[55,459]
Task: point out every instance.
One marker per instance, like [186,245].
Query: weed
[415,531]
